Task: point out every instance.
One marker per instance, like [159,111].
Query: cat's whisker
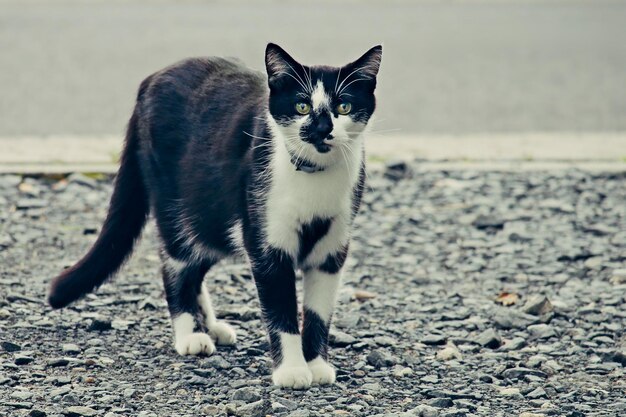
[352,82]
[349,75]
[298,81]
[337,81]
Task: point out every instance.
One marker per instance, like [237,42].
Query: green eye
[344,108]
[303,108]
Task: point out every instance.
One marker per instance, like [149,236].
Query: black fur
[196,153]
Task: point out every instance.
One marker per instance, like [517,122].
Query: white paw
[296,377]
[322,372]
[195,344]
[222,333]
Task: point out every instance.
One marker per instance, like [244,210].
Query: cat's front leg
[275,279]
[320,293]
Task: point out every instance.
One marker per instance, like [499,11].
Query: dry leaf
[362,295]
[507,298]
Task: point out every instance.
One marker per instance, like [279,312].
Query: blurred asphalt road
[449,67]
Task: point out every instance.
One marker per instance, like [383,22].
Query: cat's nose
[323,128]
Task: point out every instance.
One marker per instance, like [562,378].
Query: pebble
[246,394]
[537,393]
[541,331]
[23,359]
[77,411]
[70,349]
[538,305]
[10,346]
[380,359]
[448,353]
[256,409]
[520,372]
[489,338]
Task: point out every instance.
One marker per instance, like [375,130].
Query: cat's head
[320,111]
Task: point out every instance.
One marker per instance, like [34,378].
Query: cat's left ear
[368,65]
[278,63]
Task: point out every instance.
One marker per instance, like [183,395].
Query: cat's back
[198,95]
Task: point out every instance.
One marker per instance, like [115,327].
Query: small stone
[129,393]
[373,387]
[401,372]
[448,353]
[246,394]
[618,276]
[516,373]
[441,402]
[23,359]
[10,346]
[514,344]
[483,222]
[541,331]
[511,392]
[338,338]
[384,341]
[78,411]
[71,349]
[380,359]
[256,409]
[21,395]
[434,339]
[396,170]
[424,410]
[537,393]
[149,397]
[81,179]
[489,338]
[30,203]
[527,414]
[538,306]
[57,362]
[37,413]
[299,413]
[100,325]
[148,303]
[217,362]
[594,262]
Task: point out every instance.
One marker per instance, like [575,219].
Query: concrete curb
[536,151]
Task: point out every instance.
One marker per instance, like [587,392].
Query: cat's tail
[128,211]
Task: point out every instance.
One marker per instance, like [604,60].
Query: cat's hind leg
[220,331]
[183,288]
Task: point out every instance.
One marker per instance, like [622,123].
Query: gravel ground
[466,294]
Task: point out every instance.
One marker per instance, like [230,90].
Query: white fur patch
[186,341]
[295,197]
[320,292]
[319,98]
[293,371]
[235,235]
[221,332]
[172,265]
[322,372]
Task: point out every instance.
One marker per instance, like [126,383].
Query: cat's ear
[368,65]
[278,63]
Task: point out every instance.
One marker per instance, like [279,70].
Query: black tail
[128,211]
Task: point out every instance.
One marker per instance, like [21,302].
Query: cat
[230,160]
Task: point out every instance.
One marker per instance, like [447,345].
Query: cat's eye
[344,108]
[303,108]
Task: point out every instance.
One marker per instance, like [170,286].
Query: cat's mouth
[323,147]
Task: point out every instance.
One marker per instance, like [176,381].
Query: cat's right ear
[278,64]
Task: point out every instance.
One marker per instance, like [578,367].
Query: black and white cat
[228,165]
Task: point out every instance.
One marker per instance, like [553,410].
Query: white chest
[295,198]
